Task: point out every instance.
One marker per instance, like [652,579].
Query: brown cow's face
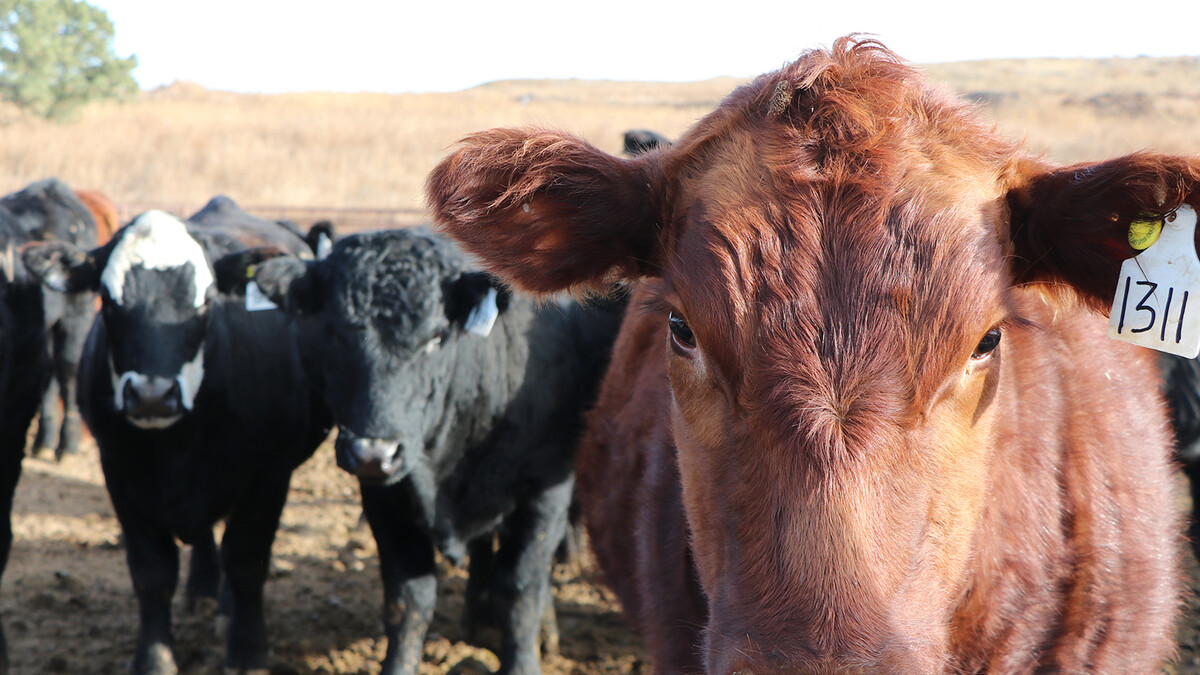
[834,365]
[832,252]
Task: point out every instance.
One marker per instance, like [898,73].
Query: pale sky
[443,45]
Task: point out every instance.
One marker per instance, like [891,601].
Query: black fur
[1181,387]
[49,211]
[477,433]
[641,141]
[255,419]
[24,372]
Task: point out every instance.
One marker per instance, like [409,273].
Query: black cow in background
[638,141]
[48,210]
[201,411]
[458,406]
[24,371]
[1181,387]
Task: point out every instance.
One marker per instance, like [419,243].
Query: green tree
[57,55]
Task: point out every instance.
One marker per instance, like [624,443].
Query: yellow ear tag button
[1157,301]
[1143,233]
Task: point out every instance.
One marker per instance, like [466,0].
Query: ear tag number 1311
[1157,304]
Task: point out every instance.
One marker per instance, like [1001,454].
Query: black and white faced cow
[458,406]
[24,370]
[201,411]
[48,210]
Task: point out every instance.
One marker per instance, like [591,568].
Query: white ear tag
[324,246]
[483,316]
[256,300]
[1157,304]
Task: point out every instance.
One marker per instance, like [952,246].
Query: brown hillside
[181,144]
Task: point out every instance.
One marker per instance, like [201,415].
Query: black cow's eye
[680,332]
[990,341]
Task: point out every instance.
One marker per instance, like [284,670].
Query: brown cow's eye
[990,341]
[680,332]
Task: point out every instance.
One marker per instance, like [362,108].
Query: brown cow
[865,420]
[104,212]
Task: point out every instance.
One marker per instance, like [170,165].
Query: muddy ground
[68,606]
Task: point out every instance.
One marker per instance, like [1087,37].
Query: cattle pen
[345,219]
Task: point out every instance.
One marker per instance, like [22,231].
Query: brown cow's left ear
[1070,225]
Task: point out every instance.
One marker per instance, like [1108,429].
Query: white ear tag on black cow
[324,246]
[256,300]
[1157,304]
[483,316]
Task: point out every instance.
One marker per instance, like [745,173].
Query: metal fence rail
[345,219]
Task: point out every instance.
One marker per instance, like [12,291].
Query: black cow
[48,210]
[201,410]
[639,141]
[457,428]
[24,371]
[1181,387]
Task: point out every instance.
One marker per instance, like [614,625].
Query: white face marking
[190,377]
[157,241]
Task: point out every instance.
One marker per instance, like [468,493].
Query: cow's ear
[545,211]
[320,239]
[235,269]
[1069,226]
[63,267]
[474,300]
[291,283]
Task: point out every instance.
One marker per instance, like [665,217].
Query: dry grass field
[66,598]
[181,144]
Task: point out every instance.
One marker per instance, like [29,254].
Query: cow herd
[825,378]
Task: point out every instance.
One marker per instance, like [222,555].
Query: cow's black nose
[378,457]
[372,459]
[152,398]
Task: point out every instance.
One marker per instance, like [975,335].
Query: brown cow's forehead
[850,293]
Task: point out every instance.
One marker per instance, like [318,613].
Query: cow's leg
[406,563]
[204,574]
[521,584]
[10,472]
[245,558]
[1191,468]
[479,622]
[71,333]
[153,561]
[49,422]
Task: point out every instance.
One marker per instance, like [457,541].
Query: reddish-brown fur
[837,478]
[104,212]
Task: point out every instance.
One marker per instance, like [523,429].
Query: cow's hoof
[157,660]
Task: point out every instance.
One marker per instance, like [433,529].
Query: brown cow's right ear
[63,267]
[545,211]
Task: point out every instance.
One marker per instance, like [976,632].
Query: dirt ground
[67,603]
[68,606]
